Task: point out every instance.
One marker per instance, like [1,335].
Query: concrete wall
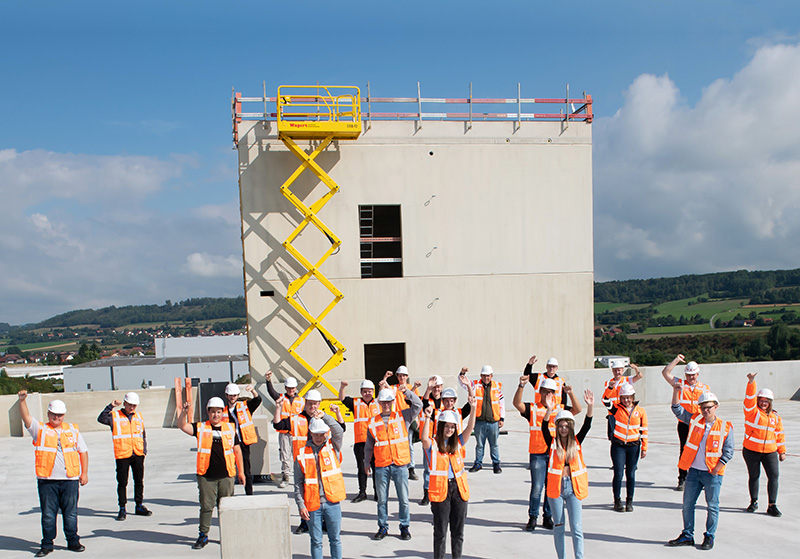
[496,234]
[199,346]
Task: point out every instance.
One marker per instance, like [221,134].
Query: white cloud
[213,265]
[681,189]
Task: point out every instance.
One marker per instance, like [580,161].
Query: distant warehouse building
[203,359]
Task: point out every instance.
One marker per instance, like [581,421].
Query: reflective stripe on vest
[400,400]
[205,438]
[494,396]
[391,444]
[245,420]
[714,441]
[631,427]
[762,432]
[558,393]
[330,471]
[579,474]
[362,413]
[611,392]
[128,436]
[439,470]
[46,447]
[690,394]
[536,444]
[289,409]
[299,433]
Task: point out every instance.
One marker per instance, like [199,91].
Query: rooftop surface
[497,509]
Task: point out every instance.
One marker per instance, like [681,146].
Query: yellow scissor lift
[324,114]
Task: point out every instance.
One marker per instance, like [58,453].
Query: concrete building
[463,242]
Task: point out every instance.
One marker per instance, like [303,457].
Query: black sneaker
[142,510]
[43,552]
[497,469]
[424,502]
[412,475]
[404,533]
[618,506]
[753,506]
[302,528]
[708,543]
[681,540]
[475,467]
[547,522]
[122,514]
[380,534]
[628,505]
[681,485]
[202,541]
[76,547]
[531,525]
[360,497]
[772,510]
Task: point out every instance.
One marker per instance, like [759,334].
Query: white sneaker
[283,483]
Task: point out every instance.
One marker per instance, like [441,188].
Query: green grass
[53,344]
[603,307]
[706,310]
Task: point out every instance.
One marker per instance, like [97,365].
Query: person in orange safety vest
[241,415]
[628,422]
[491,415]
[130,447]
[62,465]
[291,404]
[363,409]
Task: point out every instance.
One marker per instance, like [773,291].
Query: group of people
[385,425]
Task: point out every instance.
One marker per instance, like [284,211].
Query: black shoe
[360,497]
[76,547]
[628,505]
[708,543]
[425,501]
[547,522]
[681,484]
[681,540]
[772,510]
[380,534]
[302,528]
[753,506]
[375,497]
[122,514]
[531,525]
[497,469]
[202,541]
[44,552]
[618,506]
[475,467]
[412,475]
[142,510]
[324,526]
[404,533]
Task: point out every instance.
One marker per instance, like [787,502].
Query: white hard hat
[448,416]
[616,364]
[449,393]
[367,384]
[290,382]
[552,361]
[564,414]
[627,389]
[386,395]
[57,406]
[765,393]
[232,389]
[314,396]
[318,426]
[708,397]
[438,381]
[132,398]
[548,384]
[487,370]
[401,370]
[215,403]
[692,368]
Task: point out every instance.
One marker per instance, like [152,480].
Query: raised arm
[342,390]
[183,423]
[517,402]
[465,434]
[667,372]
[638,376]
[425,435]
[27,418]
[576,404]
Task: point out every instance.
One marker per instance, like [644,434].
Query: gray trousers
[285,454]
[210,494]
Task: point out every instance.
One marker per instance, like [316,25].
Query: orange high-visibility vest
[716,437]
[391,444]
[330,471]
[362,413]
[437,489]
[580,477]
[494,397]
[559,382]
[611,392]
[205,438]
[399,398]
[536,444]
[434,426]
[690,394]
[249,435]
[128,436]
[46,446]
[299,433]
[762,432]
[288,409]
[631,426]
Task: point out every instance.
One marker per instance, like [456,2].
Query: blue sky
[119,181]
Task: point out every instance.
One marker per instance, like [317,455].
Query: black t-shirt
[217,469]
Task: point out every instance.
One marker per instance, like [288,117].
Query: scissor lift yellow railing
[323,113]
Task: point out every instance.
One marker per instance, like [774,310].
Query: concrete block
[245,522]
[259,452]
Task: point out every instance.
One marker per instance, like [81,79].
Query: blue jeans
[411,448]
[573,505]
[399,475]
[486,431]
[55,495]
[538,479]
[696,481]
[332,513]
[625,460]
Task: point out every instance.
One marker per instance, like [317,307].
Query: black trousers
[452,511]
[754,461]
[626,459]
[248,477]
[136,465]
[358,450]
[683,434]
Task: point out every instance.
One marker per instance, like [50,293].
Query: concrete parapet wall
[244,521]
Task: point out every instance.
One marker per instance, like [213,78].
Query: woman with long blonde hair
[567,478]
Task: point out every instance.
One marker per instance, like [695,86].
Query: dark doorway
[379,358]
